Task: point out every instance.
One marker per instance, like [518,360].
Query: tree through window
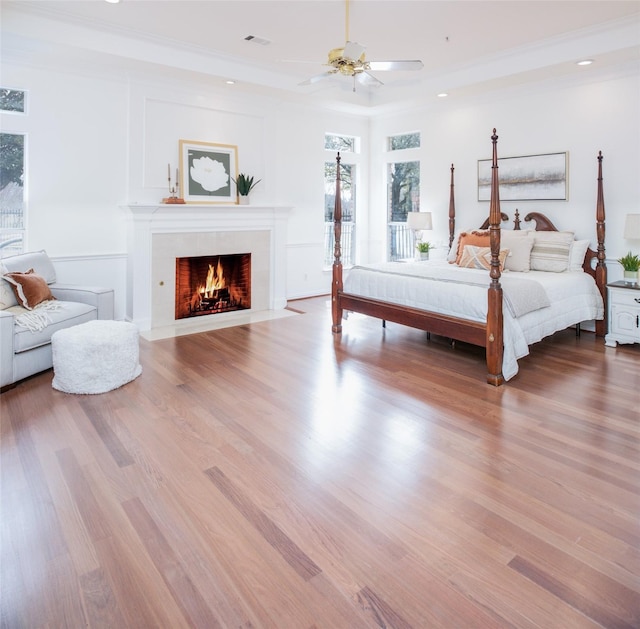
[347,147]
[11,193]
[403,195]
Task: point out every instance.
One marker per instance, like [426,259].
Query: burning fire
[215,281]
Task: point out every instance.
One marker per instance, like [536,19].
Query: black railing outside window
[400,238]
[348,243]
[400,242]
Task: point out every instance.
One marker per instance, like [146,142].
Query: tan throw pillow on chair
[30,288]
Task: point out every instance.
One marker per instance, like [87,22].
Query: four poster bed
[503,299]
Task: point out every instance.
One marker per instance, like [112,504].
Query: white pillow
[453,252]
[7,296]
[551,251]
[519,244]
[578,252]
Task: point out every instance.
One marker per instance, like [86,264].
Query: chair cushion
[68,314]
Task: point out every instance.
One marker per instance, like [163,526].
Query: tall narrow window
[403,195]
[11,193]
[347,147]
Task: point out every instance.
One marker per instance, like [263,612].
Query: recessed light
[230,82]
[254,39]
[584,62]
[113,1]
[443,95]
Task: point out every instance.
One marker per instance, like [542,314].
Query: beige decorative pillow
[519,243]
[578,252]
[480,257]
[7,296]
[30,288]
[551,251]
[475,238]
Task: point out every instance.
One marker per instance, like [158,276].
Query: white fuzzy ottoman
[95,357]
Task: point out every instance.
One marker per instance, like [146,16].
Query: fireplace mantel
[145,221]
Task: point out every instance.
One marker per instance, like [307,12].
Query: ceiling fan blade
[353,51]
[368,79]
[318,77]
[379,66]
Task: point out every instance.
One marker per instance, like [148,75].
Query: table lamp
[417,223]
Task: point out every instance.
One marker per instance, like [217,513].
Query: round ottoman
[95,357]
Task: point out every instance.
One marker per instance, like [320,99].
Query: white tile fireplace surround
[158,234]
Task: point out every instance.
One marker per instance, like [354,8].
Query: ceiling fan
[349,60]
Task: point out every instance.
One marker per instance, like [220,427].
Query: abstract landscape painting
[528,178]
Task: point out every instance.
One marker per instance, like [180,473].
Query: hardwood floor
[273,475]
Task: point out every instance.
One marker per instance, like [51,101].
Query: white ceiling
[468,46]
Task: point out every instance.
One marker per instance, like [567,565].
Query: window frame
[349,245]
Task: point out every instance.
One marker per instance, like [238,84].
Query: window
[341,143]
[12,146]
[12,100]
[407,141]
[347,147]
[403,195]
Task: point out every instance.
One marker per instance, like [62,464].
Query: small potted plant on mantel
[423,248]
[245,184]
[630,263]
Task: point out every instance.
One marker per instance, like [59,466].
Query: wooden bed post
[494,343]
[601,269]
[336,285]
[452,210]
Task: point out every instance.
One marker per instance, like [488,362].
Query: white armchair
[25,351]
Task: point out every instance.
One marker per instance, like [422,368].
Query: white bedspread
[438,286]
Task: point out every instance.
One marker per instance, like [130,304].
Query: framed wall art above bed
[527,178]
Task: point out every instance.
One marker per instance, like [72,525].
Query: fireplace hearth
[207,285]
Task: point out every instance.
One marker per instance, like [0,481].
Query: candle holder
[173,197]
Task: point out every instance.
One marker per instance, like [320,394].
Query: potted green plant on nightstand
[423,249]
[245,184]
[630,263]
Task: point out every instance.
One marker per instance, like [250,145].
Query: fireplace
[207,285]
[159,234]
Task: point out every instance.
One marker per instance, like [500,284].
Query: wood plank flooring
[273,475]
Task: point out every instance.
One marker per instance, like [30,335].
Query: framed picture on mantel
[208,171]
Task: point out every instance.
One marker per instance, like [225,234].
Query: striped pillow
[551,251]
[480,257]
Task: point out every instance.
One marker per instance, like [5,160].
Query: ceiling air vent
[257,40]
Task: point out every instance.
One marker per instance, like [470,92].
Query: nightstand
[623,313]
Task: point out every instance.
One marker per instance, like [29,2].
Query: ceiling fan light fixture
[349,60]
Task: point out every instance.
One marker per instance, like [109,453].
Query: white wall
[95,144]
[581,119]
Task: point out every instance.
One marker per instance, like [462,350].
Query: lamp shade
[419,220]
[632,227]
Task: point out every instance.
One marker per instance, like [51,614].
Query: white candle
[169,171]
